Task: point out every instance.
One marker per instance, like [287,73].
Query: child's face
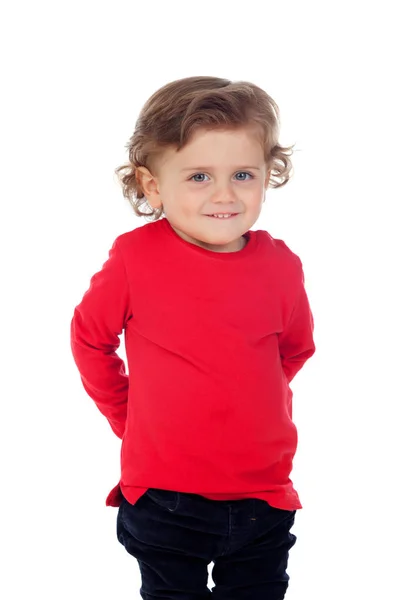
[230,177]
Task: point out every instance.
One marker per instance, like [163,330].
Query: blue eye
[245,172]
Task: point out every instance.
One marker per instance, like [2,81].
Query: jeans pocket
[165,499]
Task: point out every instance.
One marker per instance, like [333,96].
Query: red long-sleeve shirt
[212,341]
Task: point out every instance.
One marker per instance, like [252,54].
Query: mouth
[226,216]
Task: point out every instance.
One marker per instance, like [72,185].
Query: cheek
[187,198]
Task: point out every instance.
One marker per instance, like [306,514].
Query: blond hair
[174,112]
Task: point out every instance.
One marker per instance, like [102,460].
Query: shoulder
[286,264]
[135,238]
[279,249]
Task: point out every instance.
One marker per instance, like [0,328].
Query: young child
[217,323]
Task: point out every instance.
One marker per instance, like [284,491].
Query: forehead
[217,146]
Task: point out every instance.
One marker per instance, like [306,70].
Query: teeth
[220,216]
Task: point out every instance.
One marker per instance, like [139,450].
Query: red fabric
[213,341]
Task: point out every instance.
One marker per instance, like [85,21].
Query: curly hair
[174,112]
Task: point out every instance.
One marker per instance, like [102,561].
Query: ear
[149,185]
[267,178]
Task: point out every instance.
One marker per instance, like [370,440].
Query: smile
[223,216]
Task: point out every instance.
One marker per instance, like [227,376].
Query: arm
[296,344]
[95,328]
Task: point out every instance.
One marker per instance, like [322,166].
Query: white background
[75,76]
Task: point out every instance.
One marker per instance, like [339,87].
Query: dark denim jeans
[175,536]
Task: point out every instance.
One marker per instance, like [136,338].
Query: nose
[224,193]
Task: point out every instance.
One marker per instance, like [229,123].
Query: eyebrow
[211,168]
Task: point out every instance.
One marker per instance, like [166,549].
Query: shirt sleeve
[296,343]
[96,325]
